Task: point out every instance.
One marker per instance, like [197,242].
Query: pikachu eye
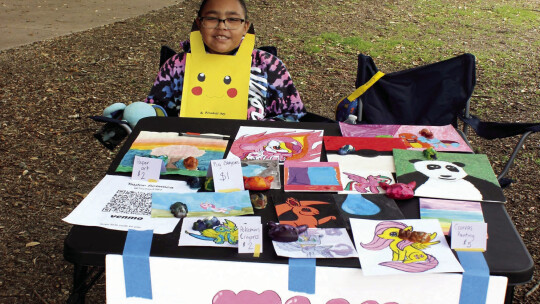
[227,79]
[201,77]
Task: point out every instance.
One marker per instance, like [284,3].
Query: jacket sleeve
[167,89]
[282,99]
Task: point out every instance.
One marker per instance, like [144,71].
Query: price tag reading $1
[227,174]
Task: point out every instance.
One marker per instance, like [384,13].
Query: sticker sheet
[265,283]
[447,211]
[256,143]
[441,138]
[183,153]
[385,249]
[456,176]
[202,204]
[322,243]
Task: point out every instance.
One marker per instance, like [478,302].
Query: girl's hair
[242,3]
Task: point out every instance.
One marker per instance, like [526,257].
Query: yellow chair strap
[363,88]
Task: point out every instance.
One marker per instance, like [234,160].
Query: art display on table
[213,232]
[402,246]
[362,171]
[202,204]
[266,283]
[447,211]
[258,143]
[121,203]
[317,210]
[323,243]
[376,207]
[183,153]
[312,176]
[441,138]
[263,168]
[455,176]
[334,143]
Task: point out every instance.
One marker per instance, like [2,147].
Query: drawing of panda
[442,179]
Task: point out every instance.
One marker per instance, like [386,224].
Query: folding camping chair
[436,94]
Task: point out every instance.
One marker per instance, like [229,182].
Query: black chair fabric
[433,94]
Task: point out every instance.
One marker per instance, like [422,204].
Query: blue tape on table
[136,258]
[302,275]
[474,284]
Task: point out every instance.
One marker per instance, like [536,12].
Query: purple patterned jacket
[272,94]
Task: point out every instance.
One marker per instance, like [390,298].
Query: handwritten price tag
[227,174]
[145,168]
[250,238]
[468,236]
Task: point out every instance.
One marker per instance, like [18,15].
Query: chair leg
[84,278]
[513,156]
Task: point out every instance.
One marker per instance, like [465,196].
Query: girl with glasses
[223,24]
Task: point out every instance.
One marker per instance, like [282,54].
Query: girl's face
[221,40]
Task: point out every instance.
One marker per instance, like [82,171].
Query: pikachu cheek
[232,92]
[196,91]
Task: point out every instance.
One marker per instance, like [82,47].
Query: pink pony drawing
[406,255]
[361,184]
[299,146]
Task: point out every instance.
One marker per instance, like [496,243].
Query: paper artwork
[310,176]
[183,153]
[258,143]
[266,283]
[455,176]
[120,203]
[376,206]
[262,168]
[383,251]
[224,234]
[202,204]
[334,143]
[444,138]
[362,173]
[447,211]
[318,243]
[317,210]
[215,85]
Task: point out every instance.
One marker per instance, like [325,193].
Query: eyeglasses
[213,22]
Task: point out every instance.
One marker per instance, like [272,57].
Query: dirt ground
[51,161]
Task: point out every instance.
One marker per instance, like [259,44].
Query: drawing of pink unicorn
[406,255]
[361,184]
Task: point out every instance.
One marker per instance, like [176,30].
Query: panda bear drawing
[442,179]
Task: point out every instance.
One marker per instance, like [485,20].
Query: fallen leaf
[32,244]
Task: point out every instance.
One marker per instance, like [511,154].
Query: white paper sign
[249,236]
[227,174]
[468,236]
[146,168]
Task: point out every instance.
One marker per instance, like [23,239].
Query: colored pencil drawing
[255,143]
[312,176]
[368,184]
[318,243]
[404,246]
[305,212]
[447,211]
[201,204]
[452,176]
[184,154]
[225,231]
[272,297]
[407,255]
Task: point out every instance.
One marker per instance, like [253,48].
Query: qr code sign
[130,202]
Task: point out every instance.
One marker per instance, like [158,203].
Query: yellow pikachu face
[216,86]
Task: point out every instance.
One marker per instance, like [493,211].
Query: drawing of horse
[406,255]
